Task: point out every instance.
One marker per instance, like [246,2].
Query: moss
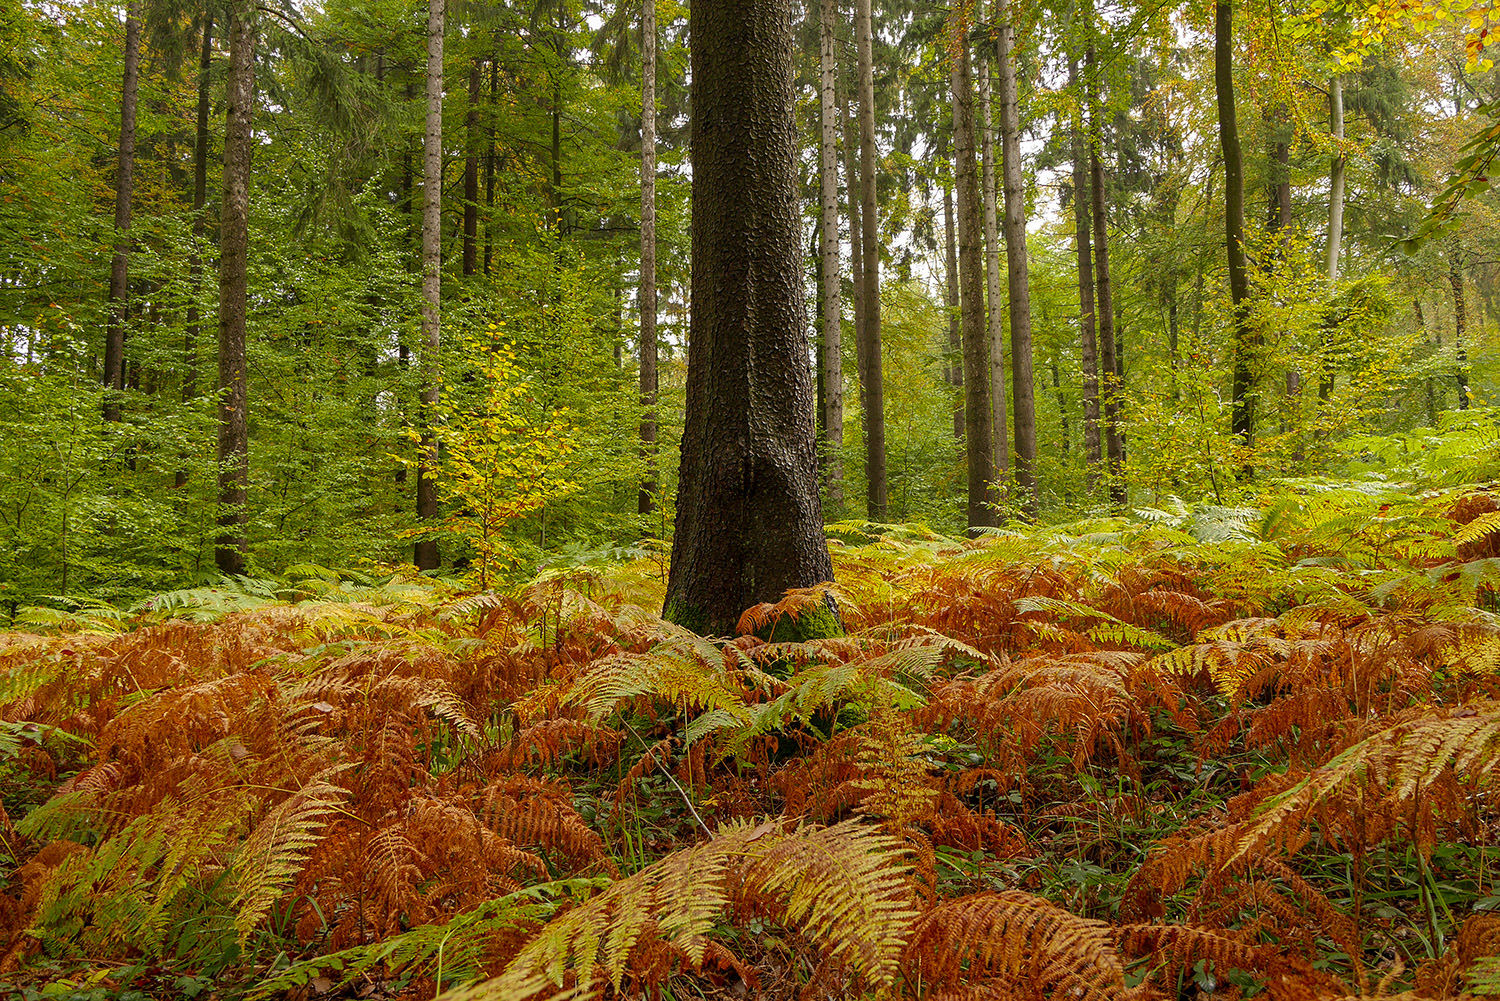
[814,623]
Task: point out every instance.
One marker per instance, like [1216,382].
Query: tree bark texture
[749,517]
[1087,341]
[832,303]
[1242,412]
[856,242]
[646,501]
[119,268]
[994,329]
[234,247]
[872,385]
[1023,391]
[426,550]
[979,435]
[1460,325]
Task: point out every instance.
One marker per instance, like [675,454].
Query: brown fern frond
[1017,941]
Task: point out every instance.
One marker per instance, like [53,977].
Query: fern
[842,887]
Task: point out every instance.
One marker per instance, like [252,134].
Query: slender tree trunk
[1431,389]
[119,269]
[489,167]
[1460,324]
[1088,344]
[426,552]
[471,175]
[749,518]
[1062,403]
[555,192]
[832,304]
[234,247]
[954,368]
[646,501]
[193,328]
[1023,391]
[1336,177]
[873,387]
[856,241]
[979,435]
[1108,361]
[1242,414]
[994,328]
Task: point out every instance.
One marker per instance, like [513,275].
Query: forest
[844,499]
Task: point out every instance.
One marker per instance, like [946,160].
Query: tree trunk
[119,269]
[646,501]
[1088,344]
[200,225]
[426,551]
[1242,413]
[954,367]
[979,434]
[749,518]
[489,167]
[471,175]
[832,305]
[872,386]
[1108,355]
[234,247]
[856,242]
[1336,177]
[1023,392]
[1460,324]
[994,329]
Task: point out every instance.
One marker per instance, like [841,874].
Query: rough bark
[832,303]
[119,268]
[1023,391]
[994,328]
[646,501]
[426,551]
[749,518]
[1242,403]
[872,386]
[1336,176]
[856,242]
[979,435]
[954,367]
[234,246]
[1087,341]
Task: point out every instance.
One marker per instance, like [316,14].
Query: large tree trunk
[1242,402]
[471,175]
[1109,365]
[119,268]
[234,248]
[1023,392]
[1088,343]
[646,500]
[994,329]
[979,434]
[1336,176]
[872,385]
[426,552]
[832,305]
[953,369]
[749,518]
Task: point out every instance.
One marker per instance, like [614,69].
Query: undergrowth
[1187,753]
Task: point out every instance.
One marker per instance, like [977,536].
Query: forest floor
[1211,753]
